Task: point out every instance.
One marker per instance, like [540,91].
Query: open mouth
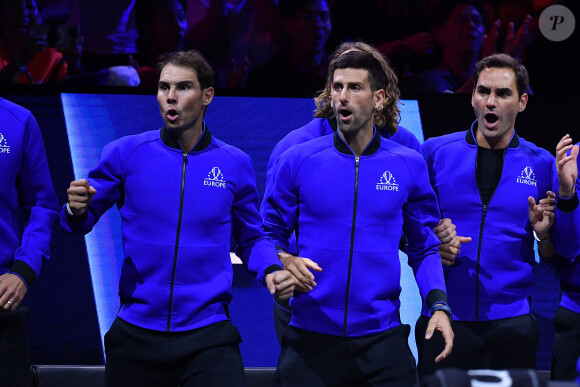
[491,118]
[172,114]
[344,113]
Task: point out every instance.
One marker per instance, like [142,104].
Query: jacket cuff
[567,204]
[24,271]
[74,218]
[281,249]
[271,269]
[436,296]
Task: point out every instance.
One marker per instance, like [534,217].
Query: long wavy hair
[389,114]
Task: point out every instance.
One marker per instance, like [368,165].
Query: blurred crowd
[278,48]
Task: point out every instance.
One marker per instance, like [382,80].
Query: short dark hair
[504,61]
[443,10]
[193,60]
[365,61]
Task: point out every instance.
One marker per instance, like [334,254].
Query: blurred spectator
[109,32]
[62,27]
[544,56]
[161,25]
[459,30]
[299,70]
[24,55]
[398,29]
[234,36]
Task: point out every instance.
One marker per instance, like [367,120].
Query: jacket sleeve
[565,234]
[253,248]
[281,205]
[270,173]
[428,156]
[107,179]
[421,215]
[38,198]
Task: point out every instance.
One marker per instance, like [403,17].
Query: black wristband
[435,296]
[567,204]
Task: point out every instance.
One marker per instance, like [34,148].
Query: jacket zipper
[183,168]
[356,168]
[483,215]
[484,212]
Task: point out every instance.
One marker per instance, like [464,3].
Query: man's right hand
[300,269]
[450,242]
[567,166]
[80,194]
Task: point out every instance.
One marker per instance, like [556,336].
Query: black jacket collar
[371,148]
[169,140]
[470,137]
[332,123]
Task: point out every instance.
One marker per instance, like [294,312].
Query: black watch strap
[443,307]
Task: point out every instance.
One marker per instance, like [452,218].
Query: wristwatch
[545,240]
[443,307]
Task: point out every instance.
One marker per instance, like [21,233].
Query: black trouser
[207,356]
[496,344]
[310,359]
[566,344]
[282,317]
[14,350]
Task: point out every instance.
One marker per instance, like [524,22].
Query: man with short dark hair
[496,188]
[180,193]
[348,195]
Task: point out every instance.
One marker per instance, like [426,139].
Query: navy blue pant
[310,359]
[207,356]
[497,344]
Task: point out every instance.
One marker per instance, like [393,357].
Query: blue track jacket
[348,213]
[492,276]
[178,212]
[319,127]
[26,183]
